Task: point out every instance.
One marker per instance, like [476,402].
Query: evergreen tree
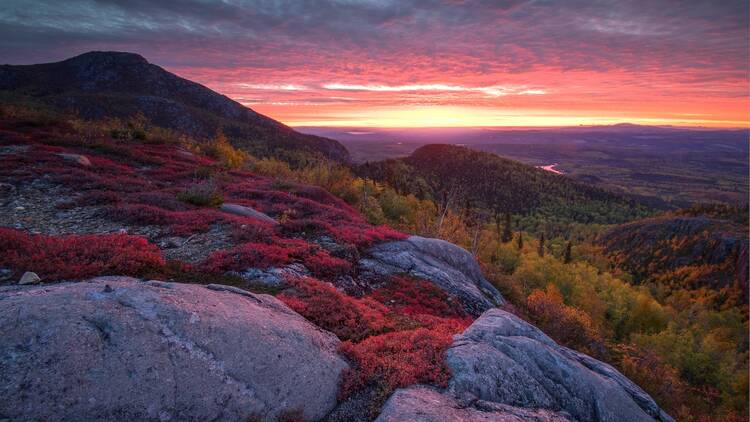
[568,251]
[507,234]
[540,251]
[520,240]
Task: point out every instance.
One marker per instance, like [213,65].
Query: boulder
[116,348]
[244,211]
[76,158]
[273,276]
[425,404]
[29,278]
[503,359]
[450,267]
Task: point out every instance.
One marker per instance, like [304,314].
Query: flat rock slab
[117,348]
[425,404]
[450,267]
[244,211]
[502,359]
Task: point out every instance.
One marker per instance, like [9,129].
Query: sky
[423,63]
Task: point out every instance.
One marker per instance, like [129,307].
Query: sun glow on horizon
[458,116]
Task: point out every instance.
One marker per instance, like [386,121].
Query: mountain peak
[115,84]
[111,57]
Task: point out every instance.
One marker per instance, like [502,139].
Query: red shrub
[76,257]
[255,255]
[161,199]
[347,317]
[414,297]
[323,265]
[180,223]
[398,359]
[363,235]
[305,227]
[250,230]
[277,252]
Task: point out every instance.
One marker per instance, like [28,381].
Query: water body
[551,168]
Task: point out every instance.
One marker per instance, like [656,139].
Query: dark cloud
[486,35]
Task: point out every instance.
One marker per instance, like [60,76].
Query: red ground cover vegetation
[277,253]
[394,337]
[139,183]
[398,359]
[76,257]
[413,296]
[347,317]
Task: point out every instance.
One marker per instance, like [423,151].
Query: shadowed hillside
[100,85]
[699,248]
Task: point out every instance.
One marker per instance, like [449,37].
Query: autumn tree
[566,324]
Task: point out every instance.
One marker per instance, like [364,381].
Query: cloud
[492,91]
[484,53]
[274,87]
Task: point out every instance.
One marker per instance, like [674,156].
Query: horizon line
[513,127]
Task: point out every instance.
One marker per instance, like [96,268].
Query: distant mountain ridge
[98,84]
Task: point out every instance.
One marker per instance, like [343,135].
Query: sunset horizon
[391,64]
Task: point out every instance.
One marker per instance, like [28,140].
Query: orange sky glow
[539,98]
[424,63]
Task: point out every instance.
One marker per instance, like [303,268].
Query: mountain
[98,85]
[705,247]
[459,175]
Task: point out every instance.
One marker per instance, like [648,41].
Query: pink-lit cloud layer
[423,63]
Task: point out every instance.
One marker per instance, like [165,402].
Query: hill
[669,167]
[98,85]
[702,248]
[458,176]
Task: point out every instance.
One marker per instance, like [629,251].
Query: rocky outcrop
[29,278]
[505,369]
[273,276]
[76,158]
[450,267]
[425,404]
[244,211]
[123,349]
[503,359]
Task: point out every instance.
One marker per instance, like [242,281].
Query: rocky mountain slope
[98,85]
[360,312]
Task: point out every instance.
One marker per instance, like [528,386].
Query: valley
[667,166]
